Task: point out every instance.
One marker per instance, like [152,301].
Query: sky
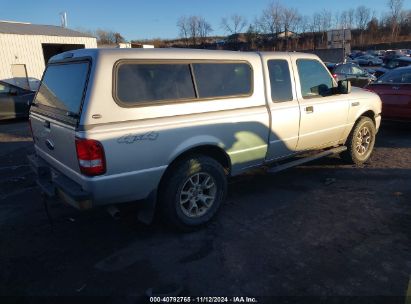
[147,19]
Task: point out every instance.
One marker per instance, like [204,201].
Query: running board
[304,160]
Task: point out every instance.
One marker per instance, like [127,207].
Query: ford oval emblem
[49,144]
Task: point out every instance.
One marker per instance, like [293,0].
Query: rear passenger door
[323,116]
[283,104]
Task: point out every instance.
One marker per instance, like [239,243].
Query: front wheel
[360,142]
[193,191]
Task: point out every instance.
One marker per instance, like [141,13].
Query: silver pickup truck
[167,127]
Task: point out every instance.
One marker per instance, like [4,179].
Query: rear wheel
[193,191]
[360,142]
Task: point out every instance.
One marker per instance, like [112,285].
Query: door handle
[309,109]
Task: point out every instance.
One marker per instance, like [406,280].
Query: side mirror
[344,87]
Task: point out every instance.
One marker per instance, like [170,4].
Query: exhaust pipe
[114,212]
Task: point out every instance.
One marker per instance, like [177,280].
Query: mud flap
[148,208]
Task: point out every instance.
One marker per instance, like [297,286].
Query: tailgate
[54,141]
[56,111]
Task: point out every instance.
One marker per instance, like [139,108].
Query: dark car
[330,66]
[394,89]
[368,60]
[392,54]
[394,63]
[14,101]
[358,76]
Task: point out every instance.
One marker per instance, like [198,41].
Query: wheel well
[370,114]
[208,150]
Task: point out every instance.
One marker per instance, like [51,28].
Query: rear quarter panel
[140,142]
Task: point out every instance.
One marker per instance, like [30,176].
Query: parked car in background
[14,101]
[391,64]
[330,66]
[358,76]
[397,62]
[368,60]
[394,89]
[355,53]
[392,54]
[376,53]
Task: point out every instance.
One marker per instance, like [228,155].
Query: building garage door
[51,49]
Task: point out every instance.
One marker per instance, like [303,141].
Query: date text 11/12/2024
[203,300]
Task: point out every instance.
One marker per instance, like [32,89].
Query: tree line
[284,28]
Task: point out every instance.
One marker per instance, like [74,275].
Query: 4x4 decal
[132,138]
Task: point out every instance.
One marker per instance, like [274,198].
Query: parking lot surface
[322,229]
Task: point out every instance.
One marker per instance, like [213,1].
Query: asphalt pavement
[325,229]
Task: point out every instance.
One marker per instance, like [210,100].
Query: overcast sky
[140,19]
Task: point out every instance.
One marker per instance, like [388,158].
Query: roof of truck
[173,53]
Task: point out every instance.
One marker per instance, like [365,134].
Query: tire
[198,181]
[359,152]
[370,63]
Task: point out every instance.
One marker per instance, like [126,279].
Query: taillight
[335,76]
[90,155]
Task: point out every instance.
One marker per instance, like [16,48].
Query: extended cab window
[223,79]
[280,80]
[63,86]
[314,78]
[138,82]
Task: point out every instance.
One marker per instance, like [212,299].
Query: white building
[25,49]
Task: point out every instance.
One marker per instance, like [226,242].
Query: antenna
[63,19]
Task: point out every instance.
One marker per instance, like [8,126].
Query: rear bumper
[55,185]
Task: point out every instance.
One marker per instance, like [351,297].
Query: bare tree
[395,7]
[193,28]
[326,17]
[233,24]
[290,17]
[350,18]
[204,29]
[251,36]
[315,27]
[362,16]
[303,24]
[118,38]
[322,23]
[108,37]
[271,19]
[336,21]
[183,27]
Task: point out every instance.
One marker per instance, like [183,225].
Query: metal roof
[7,27]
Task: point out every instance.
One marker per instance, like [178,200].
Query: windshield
[63,86]
[396,76]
